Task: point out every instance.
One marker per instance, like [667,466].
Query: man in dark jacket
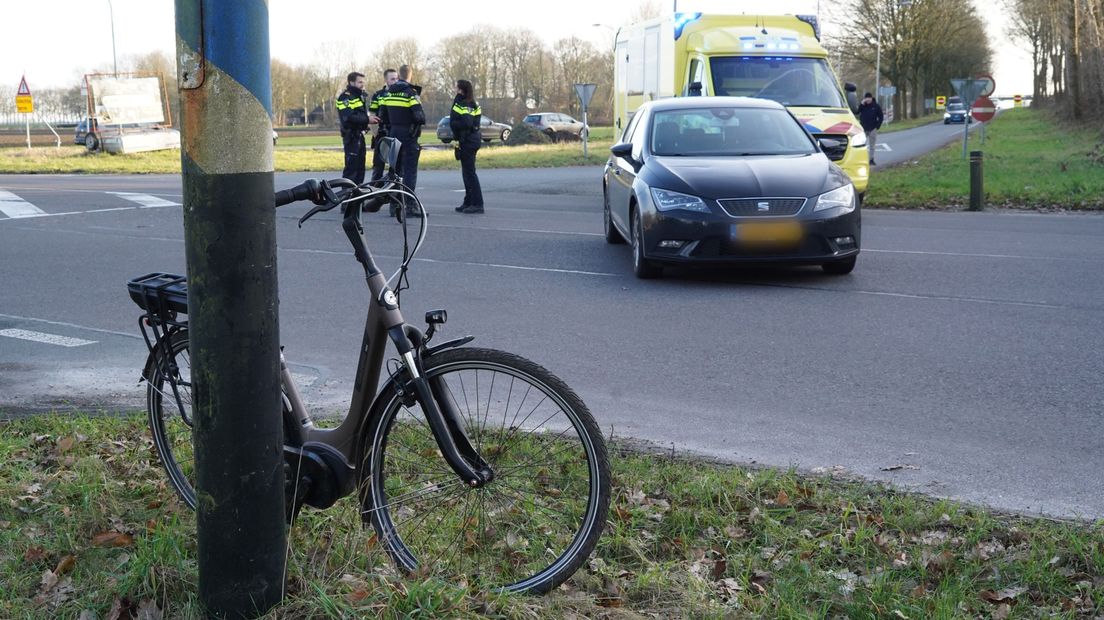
[402,117]
[352,111]
[389,78]
[870,117]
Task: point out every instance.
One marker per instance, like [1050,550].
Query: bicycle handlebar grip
[307,190]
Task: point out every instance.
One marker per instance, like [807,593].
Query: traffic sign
[968,88]
[23,102]
[940,102]
[585,92]
[990,84]
[1017,100]
[983,109]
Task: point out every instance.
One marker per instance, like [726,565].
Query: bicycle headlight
[666,200]
[840,198]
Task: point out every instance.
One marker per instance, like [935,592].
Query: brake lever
[324,200]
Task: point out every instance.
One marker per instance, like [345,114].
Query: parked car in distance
[83,137]
[727,180]
[957,113]
[557,126]
[488,129]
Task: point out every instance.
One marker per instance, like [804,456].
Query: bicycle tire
[171,426]
[513,517]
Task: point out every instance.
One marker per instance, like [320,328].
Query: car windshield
[790,81]
[532,118]
[731,131]
[956,107]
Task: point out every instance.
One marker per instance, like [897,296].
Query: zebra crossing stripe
[146,200]
[61,341]
[13,206]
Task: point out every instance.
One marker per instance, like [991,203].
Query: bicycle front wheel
[170,413]
[527,530]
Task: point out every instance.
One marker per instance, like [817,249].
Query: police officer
[352,110]
[390,76]
[402,117]
[464,121]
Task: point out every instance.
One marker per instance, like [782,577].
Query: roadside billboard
[126,100]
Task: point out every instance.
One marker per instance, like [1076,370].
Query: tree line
[924,45]
[1066,39]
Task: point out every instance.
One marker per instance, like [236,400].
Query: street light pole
[114,59]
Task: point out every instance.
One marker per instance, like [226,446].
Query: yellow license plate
[778,232]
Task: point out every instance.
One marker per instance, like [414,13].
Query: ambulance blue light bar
[681,19]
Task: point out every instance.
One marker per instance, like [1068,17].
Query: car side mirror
[852,97]
[624,151]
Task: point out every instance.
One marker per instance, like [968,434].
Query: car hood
[752,176]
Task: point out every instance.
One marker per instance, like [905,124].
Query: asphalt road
[961,358]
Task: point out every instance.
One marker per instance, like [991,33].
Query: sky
[54,42]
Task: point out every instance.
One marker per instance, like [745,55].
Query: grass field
[1030,161]
[89,528]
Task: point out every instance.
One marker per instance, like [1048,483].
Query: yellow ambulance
[770,57]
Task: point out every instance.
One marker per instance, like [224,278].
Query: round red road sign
[983,109]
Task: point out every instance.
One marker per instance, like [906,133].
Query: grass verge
[909,123]
[89,528]
[75,159]
[1030,161]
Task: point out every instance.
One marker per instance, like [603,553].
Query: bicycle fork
[444,419]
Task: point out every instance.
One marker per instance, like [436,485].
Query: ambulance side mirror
[852,97]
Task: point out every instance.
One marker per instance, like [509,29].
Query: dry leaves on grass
[112,539]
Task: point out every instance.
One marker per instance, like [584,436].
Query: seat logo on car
[763,206]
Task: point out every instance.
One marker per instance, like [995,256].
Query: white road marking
[882,146]
[13,206]
[73,325]
[146,200]
[61,341]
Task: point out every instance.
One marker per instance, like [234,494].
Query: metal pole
[878,64]
[28,119]
[977,182]
[586,132]
[114,59]
[230,246]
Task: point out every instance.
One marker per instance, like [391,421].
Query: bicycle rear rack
[164,297]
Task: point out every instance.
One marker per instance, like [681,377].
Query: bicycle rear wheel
[531,527]
[170,420]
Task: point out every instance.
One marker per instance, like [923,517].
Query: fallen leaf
[34,554]
[939,562]
[727,588]
[720,565]
[356,596]
[1004,596]
[65,445]
[622,514]
[66,564]
[783,498]
[734,533]
[1002,611]
[112,539]
[919,591]
[48,581]
[900,614]
[148,610]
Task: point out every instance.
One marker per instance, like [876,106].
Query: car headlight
[666,200]
[946,115]
[839,198]
[859,139]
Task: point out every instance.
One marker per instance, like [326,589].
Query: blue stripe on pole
[229,26]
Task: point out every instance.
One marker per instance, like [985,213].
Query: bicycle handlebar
[311,190]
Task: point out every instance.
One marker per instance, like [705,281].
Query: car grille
[745,207]
[835,154]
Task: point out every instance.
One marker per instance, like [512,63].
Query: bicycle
[462,451]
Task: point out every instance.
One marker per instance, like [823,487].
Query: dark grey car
[727,180]
[488,129]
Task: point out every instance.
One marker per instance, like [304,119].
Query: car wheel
[551,135]
[946,122]
[446,141]
[612,235]
[505,135]
[642,267]
[91,142]
[839,267]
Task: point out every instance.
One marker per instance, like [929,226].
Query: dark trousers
[473,193]
[355,153]
[377,160]
[409,154]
